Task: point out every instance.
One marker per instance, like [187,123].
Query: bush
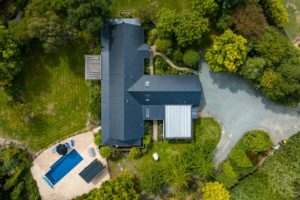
[177,56]
[239,157]
[106,152]
[257,141]
[97,138]
[224,22]
[152,36]
[253,69]
[215,191]
[152,181]
[191,58]
[228,176]
[276,12]
[135,153]
[204,7]
[163,44]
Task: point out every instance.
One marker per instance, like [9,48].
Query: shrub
[152,181]
[97,138]
[228,176]
[106,152]
[276,12]
[177,56]
[134,153]
[204,7]
[253,69]
[152,36]
[163,44]
[257,141]
[191,58]
[239,157]
[215,191]
[224,22]
[228,52]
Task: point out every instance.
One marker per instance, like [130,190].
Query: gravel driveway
[238,107]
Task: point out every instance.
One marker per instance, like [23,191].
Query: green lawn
[292,28]
[130,5]
[205,129]
[57,94]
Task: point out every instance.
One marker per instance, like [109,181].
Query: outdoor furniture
[91,152]
[47,182]
[72,143]
[155,156]
[61,149]
[54,150]
[68,145]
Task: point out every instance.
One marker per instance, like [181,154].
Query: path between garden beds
[154,53]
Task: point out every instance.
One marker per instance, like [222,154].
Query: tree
[178,175]
[163,44]
[276,12]
[257,141]
[87,15]
[228,52]
[204,7]
[106,152]
[215,191]
[274,47]
[134,153]
[121,187]
[249,21]
[167,20]
[253,69]
[191,58]
[190,29]
[152,180]
[10,57]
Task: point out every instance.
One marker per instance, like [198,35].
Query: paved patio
[238,107]
[72,184]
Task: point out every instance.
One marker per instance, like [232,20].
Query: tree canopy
[228,52]
[204,7]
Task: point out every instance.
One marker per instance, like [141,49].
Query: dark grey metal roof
[124,88]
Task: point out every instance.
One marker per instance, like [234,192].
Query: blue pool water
[63,166]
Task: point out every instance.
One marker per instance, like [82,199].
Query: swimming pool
[63,166]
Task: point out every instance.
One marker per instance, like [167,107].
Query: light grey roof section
[92,67]
[178,121]
[133,21]
[157,83]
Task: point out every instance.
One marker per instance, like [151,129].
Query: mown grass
[205,130]
[57,96]
[131,5]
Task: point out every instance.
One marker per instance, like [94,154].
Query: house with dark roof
[129,97]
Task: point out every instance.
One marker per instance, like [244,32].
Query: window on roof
[147,97]
[147,112]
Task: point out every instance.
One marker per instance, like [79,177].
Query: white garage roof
[178,121]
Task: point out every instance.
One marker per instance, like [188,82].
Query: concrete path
[156,53]
[238,107]
[155,130]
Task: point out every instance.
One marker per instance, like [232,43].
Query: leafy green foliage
[277,178]
[135,153]
[215,191]
[253,69]
[95,100]
[227,176]
[161,67]
[239,158]
[276,12]
[10,57]
[257,141]
[228,52]
[106,152]
[249,21]
[177,56]
[167,20]
[152,180]
[97,138]
[178,175]
[87,15]
[190,29]
[121,187]
[163,44]
[191,58]
[224,22]
[204,7]
[16,179]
